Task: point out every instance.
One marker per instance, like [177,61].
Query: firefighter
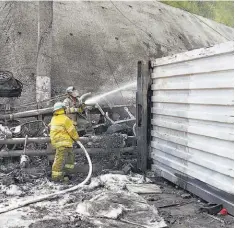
[75,108]
[62,134]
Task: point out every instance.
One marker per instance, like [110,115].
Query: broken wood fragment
[143,188]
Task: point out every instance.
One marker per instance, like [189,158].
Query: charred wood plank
[16,153]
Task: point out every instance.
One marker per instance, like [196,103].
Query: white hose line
[134,129]
[53,195]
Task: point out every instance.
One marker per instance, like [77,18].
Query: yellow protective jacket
[62,130]
[73,107]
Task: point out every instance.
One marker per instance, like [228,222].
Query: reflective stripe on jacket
[73,107]
[62,130]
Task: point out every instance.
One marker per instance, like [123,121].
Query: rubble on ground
[106,196]
[104,201]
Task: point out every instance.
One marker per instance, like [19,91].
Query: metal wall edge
[197,187]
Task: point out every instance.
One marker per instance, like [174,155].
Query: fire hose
[56,194]
[134,129]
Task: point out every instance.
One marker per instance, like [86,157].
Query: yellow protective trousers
[63,163]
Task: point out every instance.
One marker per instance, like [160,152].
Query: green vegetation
[220,11]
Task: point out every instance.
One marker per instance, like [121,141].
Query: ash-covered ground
[104,203]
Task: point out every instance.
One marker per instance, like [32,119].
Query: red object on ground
[223,212]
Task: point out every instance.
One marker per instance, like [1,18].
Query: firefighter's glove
[83,105]
[74,110]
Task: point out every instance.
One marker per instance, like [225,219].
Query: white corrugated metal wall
[192,119]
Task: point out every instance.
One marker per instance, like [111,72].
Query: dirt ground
[187,214]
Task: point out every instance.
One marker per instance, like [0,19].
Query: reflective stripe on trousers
[57,175]
[64,160]
[69,166]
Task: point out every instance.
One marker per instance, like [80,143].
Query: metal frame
[199,188]
[174,163]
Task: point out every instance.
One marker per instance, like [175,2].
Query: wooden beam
[143,114]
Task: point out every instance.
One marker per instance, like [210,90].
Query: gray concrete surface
[18,44]
[96,45]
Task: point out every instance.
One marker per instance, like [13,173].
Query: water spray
[94,100]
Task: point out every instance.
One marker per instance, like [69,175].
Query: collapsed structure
[97,52]
[77,55]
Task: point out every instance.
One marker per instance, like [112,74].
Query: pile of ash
[12,173]
[105,202]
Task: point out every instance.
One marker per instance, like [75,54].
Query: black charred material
[9,86]
[143,105]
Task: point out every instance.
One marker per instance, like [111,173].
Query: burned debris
[27,133]
[9,86]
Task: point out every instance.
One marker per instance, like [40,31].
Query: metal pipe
[30,113]
[32,140]
[102,112]
[22,140]
[47,140]
[124,121]
[18,153]
[47,111]
[129,113]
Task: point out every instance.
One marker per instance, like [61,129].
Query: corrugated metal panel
[192,121]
